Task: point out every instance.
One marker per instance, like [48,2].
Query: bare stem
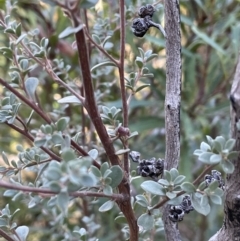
[121,78]
[49,192]
[5,235]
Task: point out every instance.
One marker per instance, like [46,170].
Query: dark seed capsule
[147,10]
[176,213]
[139,27]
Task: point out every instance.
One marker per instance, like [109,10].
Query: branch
[31,138]
[90,102]
[5,235]
[48,191]
[106,141]
[122,80]
[172,100]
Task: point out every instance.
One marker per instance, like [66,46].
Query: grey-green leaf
[229,145]
[22,232]
[196,203]
[107,63]
[70,30]
[153,187]
[146,221]
[227,166]
[31,84]
[188,187]
[72,99]
[106,206]
[62,123]
[116,175]
[62,201]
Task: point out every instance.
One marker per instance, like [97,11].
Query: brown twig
[6,236]
[50,192]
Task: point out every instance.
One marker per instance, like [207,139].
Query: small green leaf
[96,39]
[107,63]
[62,123]
[120,219]
[213,185]
[233,155]
[107,190]
[174,173]
[178,180]
[205,147]
[153,187]
[22,232]
[106,206]
[229,145]
[188,187]
[19,29]
[171,195]
[107,173]
[96,172]
[5,158]
[196,203]
[88,180]
[141,200]
[69,100]
[205,157]
[152,56]
[227,166]
[68,155]
[39,143]
[146,221]
[116,175]
[215,158]
[167,175]
[139,62]
[122,151]
[62,202]
[221,140]
[20,38]
[93,154]
[70,30]
[216,199]
[31,84]
[164,182]
[204,200]
[142,87]
[57,139]
[104,167]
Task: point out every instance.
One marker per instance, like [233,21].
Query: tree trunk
[172,101]
[230,230]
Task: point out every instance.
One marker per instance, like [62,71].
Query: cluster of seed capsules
[148,168]
[141,25]
[154,168]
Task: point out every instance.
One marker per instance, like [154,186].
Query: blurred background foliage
[210,46]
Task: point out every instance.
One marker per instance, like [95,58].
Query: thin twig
[101,49]
[5,235]
[48,191]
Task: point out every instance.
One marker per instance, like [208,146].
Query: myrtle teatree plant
[69,93]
